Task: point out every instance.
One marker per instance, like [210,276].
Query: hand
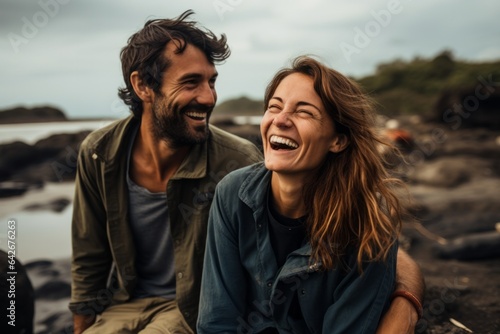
[82,322]
[400,318]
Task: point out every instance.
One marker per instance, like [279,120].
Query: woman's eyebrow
[300,103]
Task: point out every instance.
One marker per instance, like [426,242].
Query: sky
[65,53]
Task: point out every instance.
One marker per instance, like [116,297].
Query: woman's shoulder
[247,184]
[239,176]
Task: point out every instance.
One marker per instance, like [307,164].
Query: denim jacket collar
[253,192]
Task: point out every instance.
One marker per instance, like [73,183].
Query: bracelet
[412,299]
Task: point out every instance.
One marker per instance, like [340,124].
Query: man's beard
[169,124]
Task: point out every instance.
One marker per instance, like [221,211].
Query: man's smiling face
[182,111]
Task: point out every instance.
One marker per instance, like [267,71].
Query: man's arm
[91,258]
[402,316]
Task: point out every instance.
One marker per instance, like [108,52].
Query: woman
[306,241]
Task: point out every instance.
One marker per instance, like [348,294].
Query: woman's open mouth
[282,143]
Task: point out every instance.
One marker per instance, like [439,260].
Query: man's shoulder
[111,132]
[225,144]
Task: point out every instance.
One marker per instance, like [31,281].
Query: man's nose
[207,95]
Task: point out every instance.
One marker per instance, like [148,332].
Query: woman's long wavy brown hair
[351,201]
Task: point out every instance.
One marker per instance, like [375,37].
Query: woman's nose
[282,119]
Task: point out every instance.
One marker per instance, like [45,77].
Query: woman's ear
[340,142]
[144,92]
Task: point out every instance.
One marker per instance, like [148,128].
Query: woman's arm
[223,286]
[360,299]
[402,316]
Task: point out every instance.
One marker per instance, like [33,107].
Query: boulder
[474,246]
[57,205]
[52,159]
[53,290]
[37,114]
[16,288]
[477,106]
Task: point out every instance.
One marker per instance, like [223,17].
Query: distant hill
[37,114]
[416,87]
[242,106]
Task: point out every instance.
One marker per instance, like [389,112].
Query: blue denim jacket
[243,290]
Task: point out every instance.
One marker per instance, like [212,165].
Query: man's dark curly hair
[144,52]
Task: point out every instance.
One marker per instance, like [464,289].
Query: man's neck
[154,161]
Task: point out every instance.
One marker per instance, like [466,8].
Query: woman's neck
[287,195]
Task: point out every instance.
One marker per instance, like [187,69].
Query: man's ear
[144,92]
[339,143]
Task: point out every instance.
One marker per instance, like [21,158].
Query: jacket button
[269,284]
[180,275]
[303,291]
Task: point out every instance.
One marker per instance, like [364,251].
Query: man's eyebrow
[300,103]
[188,76]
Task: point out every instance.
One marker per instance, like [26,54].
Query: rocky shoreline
[453,176]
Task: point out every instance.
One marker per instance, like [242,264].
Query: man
[144,186]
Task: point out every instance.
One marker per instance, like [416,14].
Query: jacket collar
[112,145]
[195,164]
[254,188]
[253,192]
[110,141]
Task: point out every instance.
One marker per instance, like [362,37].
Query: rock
[46,270]
[53,290]
[52,284]
[11,188]
[476,246]
[15,288]
[470,108]
[15,156]
[478,143]
[445,172]
[37,265]
[61,142]
[38,114]
[57,205]
[52,159]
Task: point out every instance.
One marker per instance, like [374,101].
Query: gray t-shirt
[150,225]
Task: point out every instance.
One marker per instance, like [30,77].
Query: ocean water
[39,234]
[32,132]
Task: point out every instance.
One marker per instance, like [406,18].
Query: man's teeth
[196,114]
[283,141]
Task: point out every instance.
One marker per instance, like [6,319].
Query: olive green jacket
[103,262]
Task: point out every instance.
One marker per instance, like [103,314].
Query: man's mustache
[193,106]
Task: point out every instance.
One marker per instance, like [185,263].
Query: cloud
[73,59]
